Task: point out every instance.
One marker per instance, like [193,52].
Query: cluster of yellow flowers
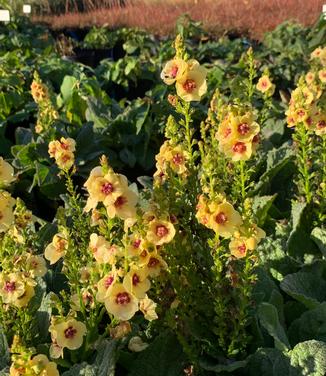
[307,105]
[6,201]
[38,365]
[220,216]
[123,288]
[238,134]
[170,157]
[17,287]
[189,78]
[63,152]
[47,113]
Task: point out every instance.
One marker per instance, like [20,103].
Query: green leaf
[308,358]
[223,367]
[106,358]
[318,235]
[306,287]
[269,319]
[311,325]
[82,369]
[67,87]
[265,362]
[4,350]
[164,357]
[261,206]
[42,318]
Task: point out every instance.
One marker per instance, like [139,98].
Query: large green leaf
[311,325]
[308,358]
[306,287]
[318,235]
[163,358]
[4,350]
[269,319]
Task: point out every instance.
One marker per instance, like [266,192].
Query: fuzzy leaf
[4,350]
[269,319]
[318,235]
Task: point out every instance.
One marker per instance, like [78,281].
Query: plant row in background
[214,261]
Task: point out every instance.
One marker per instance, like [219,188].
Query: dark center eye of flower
[239,147]
[161,231]
[242,248]
[189,86]
[107,188]
[122,298]
[153,262]
[10,286]
[177,159]
[108,281]
[221,218]
[70,332]
[174,71]
[243,128]
[120,201]
[135,279]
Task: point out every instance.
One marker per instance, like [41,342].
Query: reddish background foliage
[253,17]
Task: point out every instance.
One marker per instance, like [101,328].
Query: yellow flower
[6,173]
[102,250]
[245,128]
[55,250]
[12,286]
[6,210]
[177,159]
[225,220]
[68,333]
[237,150]
[155,264]
[147,307]
[174,70]
[322,75]
[120,303]
[100,187]
[43,367]
[136,282]
[105,285]
[193,84]
[160,232]
[265,85]
[36,266]
[321,126]
[29,292]
[310,77]
[316,53]
[63,152]
[122,206]
[252,235]
[39,91]
[238,247]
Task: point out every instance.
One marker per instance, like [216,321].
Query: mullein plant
[110,250]
[307,116]
[47,113]
[204,184]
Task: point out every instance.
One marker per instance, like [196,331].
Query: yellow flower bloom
[238,247]
[63,152]
[100,187]
[120,303]
[121,330]
[122,206]
[203,213]
[43,367]
[136,282]
[147,307]
[55,250]
[174,70]
[68,333]
[105,285]
[6,173]
[321,126]
[12,286]
[245,128]
[160,232]
[322,75]
[225,220]
[265,85]
[102,250]
[24,299]
[193,85]
[310,77]
[316,53]
[39,91]
[237,150]
[155,265]
[6,210]
[177,159]
[36,266]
